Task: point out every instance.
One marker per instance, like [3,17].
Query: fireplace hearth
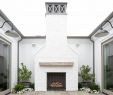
[56,81]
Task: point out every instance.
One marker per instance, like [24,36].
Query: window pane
[108,66]
[4,66]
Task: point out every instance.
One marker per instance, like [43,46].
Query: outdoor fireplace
[56,63]
[56,81]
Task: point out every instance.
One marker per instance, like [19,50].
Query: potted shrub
[24,75]
[86,75]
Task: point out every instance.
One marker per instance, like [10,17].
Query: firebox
[56,81]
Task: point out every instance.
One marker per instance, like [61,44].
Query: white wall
[27,51]
[84,49]
[28,48]
[98,63]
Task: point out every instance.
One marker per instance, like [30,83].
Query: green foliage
[94,86]
[85,73]
[18,87]
[24,73]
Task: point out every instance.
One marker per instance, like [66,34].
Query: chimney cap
[54,8]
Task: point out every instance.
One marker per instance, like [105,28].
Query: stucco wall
[28,48]
[83,47]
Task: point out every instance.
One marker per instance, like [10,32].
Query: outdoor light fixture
[103,32]
[11,32]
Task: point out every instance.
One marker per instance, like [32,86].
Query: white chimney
[56,22]
[56,56]
[56,47]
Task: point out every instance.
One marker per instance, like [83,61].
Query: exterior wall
[28,48]
[80,46]
[98,68]
[98,57]
[14,61]
[84,49]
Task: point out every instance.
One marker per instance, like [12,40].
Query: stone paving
[57,93]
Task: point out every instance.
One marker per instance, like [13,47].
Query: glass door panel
[4,66]
[108,66]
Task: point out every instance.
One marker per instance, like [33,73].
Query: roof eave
[102,23]
[7,19]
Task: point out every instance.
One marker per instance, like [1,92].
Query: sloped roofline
[102,23]
[7,19]
[95,30]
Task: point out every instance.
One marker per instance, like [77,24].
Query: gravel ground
[57,93]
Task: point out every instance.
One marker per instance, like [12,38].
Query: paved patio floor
[57,93]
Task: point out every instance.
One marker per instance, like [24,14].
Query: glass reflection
[108,66]
[4,65]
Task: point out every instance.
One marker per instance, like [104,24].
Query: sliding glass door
[4,66]
[108,66]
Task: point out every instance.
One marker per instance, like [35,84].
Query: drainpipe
[18,58]
[93,58]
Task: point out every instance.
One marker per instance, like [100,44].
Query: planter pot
[85,84]
[26,84]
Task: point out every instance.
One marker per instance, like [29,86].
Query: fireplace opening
[56,81]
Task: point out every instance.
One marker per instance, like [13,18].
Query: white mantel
[59,64]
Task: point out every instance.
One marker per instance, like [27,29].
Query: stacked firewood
[56,84]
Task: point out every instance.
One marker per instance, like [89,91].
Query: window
[4,65]
[108,66]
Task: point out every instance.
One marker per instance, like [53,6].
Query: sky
[83,15]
